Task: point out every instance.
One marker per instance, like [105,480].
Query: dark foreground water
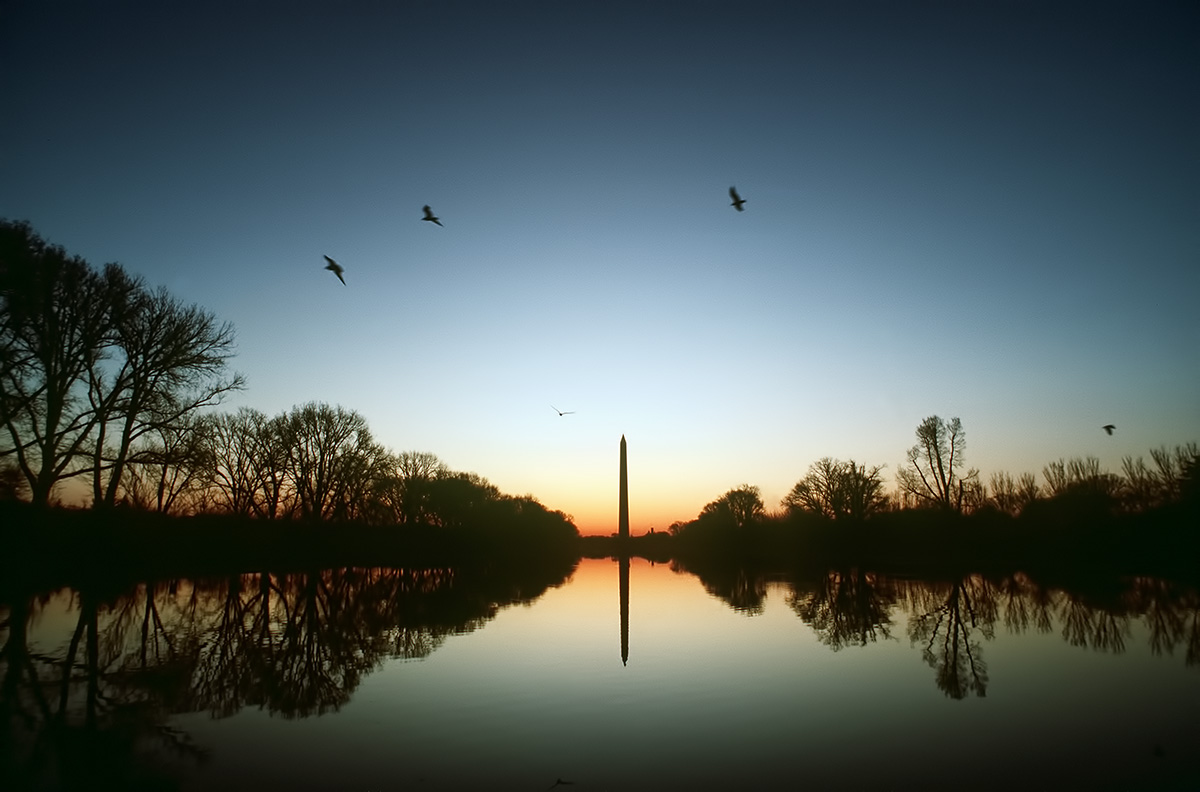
[613,676]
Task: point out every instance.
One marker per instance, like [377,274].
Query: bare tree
[930,473]
[92,362]
[233,452]
[53,328]
[172,362]
[402,494]
[838,490]
[1080,475]
[1146,487]
[1171,468]
[1012,495]
[172,470]
[249,455]
[331,460]
[1140,484]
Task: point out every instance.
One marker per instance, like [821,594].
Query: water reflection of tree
[300,644]
[96,710]
[107,727]
[1103,628]
[947,620]
[1172,613]
[1024,604]
[743,590]
[846,608]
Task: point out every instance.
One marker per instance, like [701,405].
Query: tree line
[106,381]
[318,462]
[933,478]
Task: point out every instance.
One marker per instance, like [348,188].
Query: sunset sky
[982,210]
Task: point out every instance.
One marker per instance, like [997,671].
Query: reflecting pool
[611,675]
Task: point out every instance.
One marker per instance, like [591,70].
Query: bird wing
[733,194]
[332,263]
[428,212]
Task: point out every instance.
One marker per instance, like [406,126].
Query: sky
[975,210]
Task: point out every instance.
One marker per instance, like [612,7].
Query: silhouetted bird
[559,782]
[429,216]
[336,269]
[560,412]
[1108,428]
[737,199]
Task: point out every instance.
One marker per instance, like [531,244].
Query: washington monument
[623,507]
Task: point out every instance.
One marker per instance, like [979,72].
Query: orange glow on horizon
[606,524]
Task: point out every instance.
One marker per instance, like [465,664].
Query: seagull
[1108,428]
[560,782]
[335,268]
[560,412]
[737,199]
[429,216]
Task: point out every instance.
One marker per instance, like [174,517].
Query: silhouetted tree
[524,519]
[401,495]
[1080,475]
[1080,491]
[1146,487]
[459,500]
[930,473]
[168,361]
[249,456]
[172,470]
[1012,496]
[838,490]
[1171,468]
[739,508]
[54,328]
[1189,481]
[90,362]
[331,460]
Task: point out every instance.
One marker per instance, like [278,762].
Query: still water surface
[445,680]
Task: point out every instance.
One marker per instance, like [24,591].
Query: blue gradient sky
[977,210]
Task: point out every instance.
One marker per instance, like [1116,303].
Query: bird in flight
[737,199]
[560,782]
[335,268]
[429,216]
[1109,428]
[560,412]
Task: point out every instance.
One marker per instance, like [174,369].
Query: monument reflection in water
[623,561]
